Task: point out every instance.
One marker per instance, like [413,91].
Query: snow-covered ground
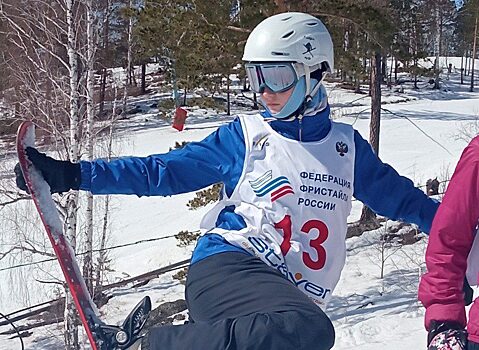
[419,137]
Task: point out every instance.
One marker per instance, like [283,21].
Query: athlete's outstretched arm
[217,158]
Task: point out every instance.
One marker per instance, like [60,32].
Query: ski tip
[25,135]
[24,126]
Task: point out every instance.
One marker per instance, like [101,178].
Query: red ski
[100,335]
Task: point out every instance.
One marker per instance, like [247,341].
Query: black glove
[62,176]
[443,333]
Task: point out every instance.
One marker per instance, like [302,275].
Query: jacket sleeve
[451,238]
[217,158]
[382,189]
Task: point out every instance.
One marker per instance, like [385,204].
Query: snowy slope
[419,140]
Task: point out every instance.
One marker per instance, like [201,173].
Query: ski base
[100,335]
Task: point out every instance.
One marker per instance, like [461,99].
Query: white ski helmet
[298,38]
[290,37]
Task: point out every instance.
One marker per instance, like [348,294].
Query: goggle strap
[259,74]
[315,89]
[307,75]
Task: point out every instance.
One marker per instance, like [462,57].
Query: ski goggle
[277,77]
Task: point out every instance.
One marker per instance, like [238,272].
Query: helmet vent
[288,34]
[286,18]
[277,53]
[312,24]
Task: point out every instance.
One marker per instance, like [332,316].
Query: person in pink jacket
[451,256]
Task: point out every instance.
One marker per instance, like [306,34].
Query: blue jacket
[220,157]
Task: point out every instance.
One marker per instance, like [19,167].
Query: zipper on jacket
[300,119]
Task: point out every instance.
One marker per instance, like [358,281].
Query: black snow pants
[237,302]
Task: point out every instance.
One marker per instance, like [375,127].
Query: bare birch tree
[47,68]
[129,60]
[71,318]
[89,138]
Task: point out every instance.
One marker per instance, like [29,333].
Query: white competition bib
[295,198]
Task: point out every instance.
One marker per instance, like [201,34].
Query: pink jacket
[450,241]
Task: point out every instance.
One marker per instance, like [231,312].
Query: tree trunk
[415,74]
[357,86]
[473,56]
[71,322]
[470,63]
[106,33]
[176,94]
[467,63]
[228,107]
[71,316]
[129,64]
[90,113]
[384,67]
[101,96]
[390,78]
[143,78]
[375,102]
[367,215]
[437,48]
[396,64]
[129,59]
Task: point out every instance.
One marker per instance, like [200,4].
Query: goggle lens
[276,77]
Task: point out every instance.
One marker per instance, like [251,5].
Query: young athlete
[274,245]
[452,254]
